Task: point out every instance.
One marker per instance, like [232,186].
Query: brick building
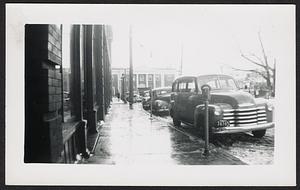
[67,89]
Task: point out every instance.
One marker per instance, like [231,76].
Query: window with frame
[227,83]
[142,78]
[158,80]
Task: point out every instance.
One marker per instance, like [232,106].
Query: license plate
[223,123]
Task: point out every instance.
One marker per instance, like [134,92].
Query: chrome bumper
[239,129]
[163,110]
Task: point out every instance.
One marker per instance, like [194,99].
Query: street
[253,151]
[133,137]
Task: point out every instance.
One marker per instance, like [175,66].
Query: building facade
[67,89]
[143,78]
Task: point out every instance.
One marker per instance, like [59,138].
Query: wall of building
[43,92]
[83,86]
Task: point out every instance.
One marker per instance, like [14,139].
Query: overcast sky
[211,37]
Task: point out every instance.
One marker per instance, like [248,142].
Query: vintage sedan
[146,100]
[160,98]
[230,110]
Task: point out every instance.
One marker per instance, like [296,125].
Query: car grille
[245,116]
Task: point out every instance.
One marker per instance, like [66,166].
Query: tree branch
[263,50]
[251,70]
[252,61]
[258,58]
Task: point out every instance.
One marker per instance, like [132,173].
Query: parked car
[230,110]
[146,100]
[136,97]
[160,100]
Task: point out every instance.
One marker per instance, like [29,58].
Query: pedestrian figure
[118,96]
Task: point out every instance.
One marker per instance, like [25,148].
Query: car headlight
[270,107]
[217,110]
[158,104]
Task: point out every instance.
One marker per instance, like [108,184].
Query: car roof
[199,76]
[163,88]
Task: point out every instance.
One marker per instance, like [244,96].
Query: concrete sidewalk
[131,137]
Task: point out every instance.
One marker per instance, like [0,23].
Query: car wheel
[259,133]
[176,120]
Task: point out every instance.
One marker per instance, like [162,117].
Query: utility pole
[130,69]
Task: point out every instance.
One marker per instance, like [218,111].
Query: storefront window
[150,81]
[157,81]
[142,80]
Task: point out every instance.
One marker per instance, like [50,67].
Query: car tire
[176,120]
[259,133]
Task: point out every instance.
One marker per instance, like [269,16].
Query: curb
[199,140]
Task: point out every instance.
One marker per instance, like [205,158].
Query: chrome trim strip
[261,111]
[261,114]
[247,117]
[261,107]
[245,109]
[246,113]
[262,119]
[244,121]
[260,122]
[228,118]
[228,114]
[228,110]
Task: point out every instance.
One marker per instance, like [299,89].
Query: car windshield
[217,82]
[162,92]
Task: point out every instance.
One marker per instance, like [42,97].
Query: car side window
[212,84]
[223,83]
[191,86]
[182,86]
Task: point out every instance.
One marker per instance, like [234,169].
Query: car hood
[165,97]
[236,99]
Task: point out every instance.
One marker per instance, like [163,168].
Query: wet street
[251,150]
[132,137]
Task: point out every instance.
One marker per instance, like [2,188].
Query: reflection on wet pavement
[131,137]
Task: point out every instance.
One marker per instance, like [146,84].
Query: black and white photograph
[150,94]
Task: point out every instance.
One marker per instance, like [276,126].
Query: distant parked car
[146,100]
[230,110]
[160,100]
[136,98]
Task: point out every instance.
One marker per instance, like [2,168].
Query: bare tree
[265,70]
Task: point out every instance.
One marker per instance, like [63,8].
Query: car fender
[171,107]
[199,114]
